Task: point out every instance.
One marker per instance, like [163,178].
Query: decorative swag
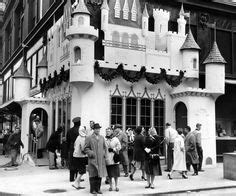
[109,74]
[56,80]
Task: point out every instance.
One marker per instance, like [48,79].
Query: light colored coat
[191,149]
[113,143]
[79,147]
[96,149]
[179,154]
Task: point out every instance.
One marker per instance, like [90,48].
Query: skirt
[153,167]
[113,170]
[80,163]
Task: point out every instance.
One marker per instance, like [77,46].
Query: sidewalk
[29,180]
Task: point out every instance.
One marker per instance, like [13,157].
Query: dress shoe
[152,186]
[126,175]
[201,170]
[169,176]
[110,189]
[143,178]
[99,192]
[148,186]
[117,189]
[93,192]
[107,182]
[131,177]
[194,174]
[184,176]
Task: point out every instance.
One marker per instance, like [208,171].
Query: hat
[168,124]
[76,119]
[198,124]
[118,126]
[82,131]
[96,126]
[37,119]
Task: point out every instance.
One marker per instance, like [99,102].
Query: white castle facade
[146,77]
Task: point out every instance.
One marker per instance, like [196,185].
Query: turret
[215,70]
[145,22]
[190,51]
[181,21]
[82,37]
[104,15]
[22,83]
[42,68]
[161,28]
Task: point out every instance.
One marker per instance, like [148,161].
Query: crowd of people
[86,150]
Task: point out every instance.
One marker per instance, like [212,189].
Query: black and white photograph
[118,97]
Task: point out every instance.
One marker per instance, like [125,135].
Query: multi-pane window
[145,115]
[131,113]
[116,110]
[159,120]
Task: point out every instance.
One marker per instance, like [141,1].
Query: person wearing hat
[123,138]
[38,133]
[53,144]
[96,149]
[80,159]
[170,135]
[71,136]
[14,142]
[198,137]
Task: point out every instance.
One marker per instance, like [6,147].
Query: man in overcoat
[70,140]
[191,150]
[123,138]
[96,149]
[198,137]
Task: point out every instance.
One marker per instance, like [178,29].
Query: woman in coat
[152,160]
[113,170]
[139,153]
[179,155]
[80,159]
[96,149]
[191,150]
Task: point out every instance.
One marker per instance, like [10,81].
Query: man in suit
[170,135]
[198,137]
[70,140]
[191,150]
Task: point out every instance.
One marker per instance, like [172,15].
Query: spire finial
[145,12]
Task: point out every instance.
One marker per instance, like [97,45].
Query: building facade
[120,61]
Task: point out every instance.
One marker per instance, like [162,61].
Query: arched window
[125,38]
[151,23]
[80,21]
[194,63]
[134,39]
[115,36]
[77,51]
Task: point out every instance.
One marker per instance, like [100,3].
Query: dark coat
[96,150]
[139,153]
[191,149]
[54,142]
[14,141]
[71,136]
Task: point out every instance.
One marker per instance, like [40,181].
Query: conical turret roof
[22,72]
[43,62]
[190,42]
[81,8]
[105,5]
[145,12]
[214,55]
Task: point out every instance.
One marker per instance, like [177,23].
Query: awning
[11,107]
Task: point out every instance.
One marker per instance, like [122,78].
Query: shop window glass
[145,115]
[116,110]
[131,113]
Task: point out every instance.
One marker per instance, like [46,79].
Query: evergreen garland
[109,74]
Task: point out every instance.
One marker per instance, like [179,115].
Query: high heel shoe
[169,176]
[184,176]
[131,177]
[142,177]
[148,186]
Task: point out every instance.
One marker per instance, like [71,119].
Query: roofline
[34,32]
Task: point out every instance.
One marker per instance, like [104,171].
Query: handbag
[116,158]
[154,157]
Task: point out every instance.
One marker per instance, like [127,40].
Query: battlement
[160,13]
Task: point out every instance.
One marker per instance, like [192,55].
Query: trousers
[95,184]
